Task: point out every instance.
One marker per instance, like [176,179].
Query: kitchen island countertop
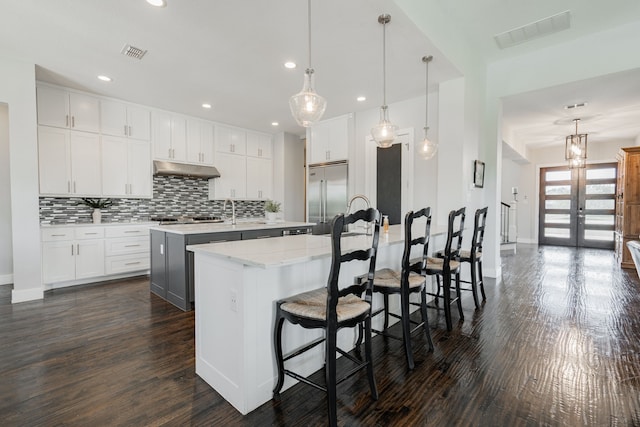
[223,227]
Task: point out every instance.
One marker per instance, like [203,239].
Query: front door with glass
[577,206]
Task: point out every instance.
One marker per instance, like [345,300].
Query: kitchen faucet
[233,210]
[366,200]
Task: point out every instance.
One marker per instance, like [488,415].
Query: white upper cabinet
[69,162]
[169,136]
[200,144]
[120,119]
[230,140]
[259,178]
[259,145]
[233,177]
[329,140]
[126,167]
[60,108]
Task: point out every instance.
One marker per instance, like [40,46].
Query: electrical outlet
[234,300]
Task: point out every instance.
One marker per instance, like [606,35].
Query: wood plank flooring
[557,343]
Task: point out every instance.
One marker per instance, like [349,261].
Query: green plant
[96,203]
[271,206]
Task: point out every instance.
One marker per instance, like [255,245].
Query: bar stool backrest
[455,228]
[338,225]
[478,230]
[410,240]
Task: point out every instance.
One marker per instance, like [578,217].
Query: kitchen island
[236,285]
[172,264]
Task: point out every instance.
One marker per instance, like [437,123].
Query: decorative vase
[97,216]
[271,216]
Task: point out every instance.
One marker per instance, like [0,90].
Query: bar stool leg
[458,294]
[425,319]
[474,281]
[446,287]
[277,339]
[436,300]
[481,279]
[369,356]
[386,311]
[406,328]
[330,375]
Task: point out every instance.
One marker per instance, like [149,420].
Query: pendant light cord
[309,28]
[426,99]
[384,63]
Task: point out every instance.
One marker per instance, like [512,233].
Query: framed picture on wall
[478,173]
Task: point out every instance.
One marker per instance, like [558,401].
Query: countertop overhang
[225,227]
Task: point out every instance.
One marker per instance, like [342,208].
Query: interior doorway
[577,206]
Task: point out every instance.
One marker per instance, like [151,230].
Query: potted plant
[97,204]
[271,209]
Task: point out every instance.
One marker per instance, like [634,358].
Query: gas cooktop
[168,220]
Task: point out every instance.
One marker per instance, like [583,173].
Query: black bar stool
[410,279]
[447,265]
[474,256]
[331,309]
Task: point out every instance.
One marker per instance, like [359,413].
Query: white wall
[293,200]
[6,250]
[18,91]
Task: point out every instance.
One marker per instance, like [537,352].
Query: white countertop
[102,224]
[287,250]
[220,227]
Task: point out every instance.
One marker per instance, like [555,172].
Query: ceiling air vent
[543,27]
[132,51]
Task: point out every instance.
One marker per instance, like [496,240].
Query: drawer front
[127,245]
[126,263]
[261,234]
[196,239]
[57,234]
[127,231]
[89,232]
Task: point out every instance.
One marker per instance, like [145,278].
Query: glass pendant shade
[384,133]
[428,148]
[307,107]
[576,149]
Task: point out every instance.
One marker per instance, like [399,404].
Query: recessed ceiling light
[157,3]
[104,78]
[361,98]
[274,123]
[205,105]
[290,65]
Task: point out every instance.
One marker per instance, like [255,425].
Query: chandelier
[575,149]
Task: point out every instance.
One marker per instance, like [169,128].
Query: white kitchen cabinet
[127,249]
[120,119]
[126,167]
[70,110]
[259,145]
[230,140]
[169,136]
[200,143]
[233,176]
[71,254]
[329,140]
[69,162]
[259,178]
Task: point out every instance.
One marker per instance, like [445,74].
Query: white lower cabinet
[72,255]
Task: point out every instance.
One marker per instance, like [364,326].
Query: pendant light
[428,148]
[307,107]
[576,148]
[384,133]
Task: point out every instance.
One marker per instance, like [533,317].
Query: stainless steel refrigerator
[327,194]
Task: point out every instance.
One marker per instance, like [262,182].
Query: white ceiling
[231,54]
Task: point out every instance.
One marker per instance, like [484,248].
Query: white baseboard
[6,279]
[23,295]
[495,273]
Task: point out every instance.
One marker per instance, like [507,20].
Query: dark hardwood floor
[556,343]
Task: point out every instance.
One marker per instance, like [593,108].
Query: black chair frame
[330,324]
[451,252]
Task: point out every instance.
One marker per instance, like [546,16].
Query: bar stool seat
[389,278]
[313,305]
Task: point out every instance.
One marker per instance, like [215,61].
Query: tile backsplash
[172,196]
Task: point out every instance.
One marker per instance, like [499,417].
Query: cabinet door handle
[125,130]
[72,249]
[169,155]
[133,263]
[90,234]
[66,120]
[131,246]
[78,252]
[129,130]
[132,231]
[73,121]
[68,186]
[161,248]
[58,235]
[74,186]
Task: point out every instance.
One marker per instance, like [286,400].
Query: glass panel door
[577,206]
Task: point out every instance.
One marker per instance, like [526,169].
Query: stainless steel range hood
[181,169]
